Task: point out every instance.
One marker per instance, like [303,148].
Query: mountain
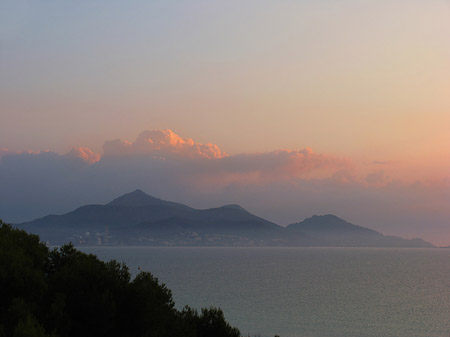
[329,230]
[137,218]
[138,198]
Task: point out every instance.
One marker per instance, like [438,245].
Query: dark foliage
[67,293]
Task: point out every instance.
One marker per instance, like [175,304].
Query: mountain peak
[140,198]
[234,206]
[325,217]
[138,192]
[326,222]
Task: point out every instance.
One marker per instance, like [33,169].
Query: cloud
[85,154]
[282,185]
[206,167]
[263,168]
[283,162]
[383,162]
[376,177]
[3,151]
[161,144]
[78,153]
[44,182]
[208,164]
[160,161]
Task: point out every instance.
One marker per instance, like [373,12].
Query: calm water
[295,292]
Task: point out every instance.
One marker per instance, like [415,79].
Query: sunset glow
[325,107]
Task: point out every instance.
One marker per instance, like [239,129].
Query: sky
[290,108]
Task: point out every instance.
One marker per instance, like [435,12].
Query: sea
[306,292]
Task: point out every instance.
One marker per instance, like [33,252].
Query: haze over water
[307,292]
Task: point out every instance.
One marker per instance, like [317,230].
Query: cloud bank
[284,186]
[162,144]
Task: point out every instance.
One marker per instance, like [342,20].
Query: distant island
[137,218]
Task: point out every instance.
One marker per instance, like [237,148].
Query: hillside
[330,230]
[137,218]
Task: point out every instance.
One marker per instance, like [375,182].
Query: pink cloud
[284,163]
[284,185]
[262,169]
[383,162]
[3,151]
[377,177]
[206,164]
[162,144]
[84,153]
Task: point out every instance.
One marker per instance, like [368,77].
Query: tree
[212,323]
[67,293]
[22,281]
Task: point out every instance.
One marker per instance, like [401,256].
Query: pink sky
[327,103]
[282,185]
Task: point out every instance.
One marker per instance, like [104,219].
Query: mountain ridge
[139,198]
[137,218]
